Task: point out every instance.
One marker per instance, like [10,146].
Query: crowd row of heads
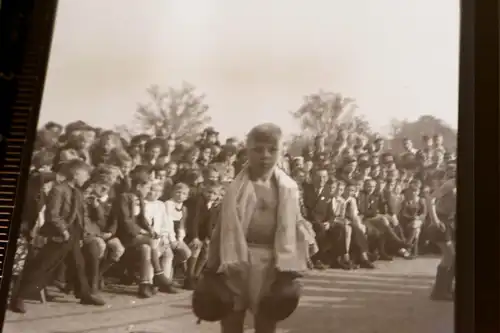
[351,189]
[143,181]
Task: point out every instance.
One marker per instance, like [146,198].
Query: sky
[254,60]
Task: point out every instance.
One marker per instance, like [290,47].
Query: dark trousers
[359,241]
[38,273]
[323,242]
[375,238]
[91,253]
[335,242]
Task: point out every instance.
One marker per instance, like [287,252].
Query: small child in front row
[177,212]
[166,243]
[199,226]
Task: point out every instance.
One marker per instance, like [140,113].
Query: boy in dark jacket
[199,229]
[64,229]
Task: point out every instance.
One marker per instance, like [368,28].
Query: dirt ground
[390,299]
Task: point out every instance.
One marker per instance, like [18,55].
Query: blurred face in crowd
[230,157]
[351,191]
[216,151]
[378,144]
[320,178]
[332,172]
[107,144]
[60,177]
[339,190]
[426,191]
[407,177]
[46,187]
[211,193]
[369,187]
[298,163]
[415,184]
[155,192]
[390,185]
[308,165]
[206,154]
[407,145]
[438,140]
[171,169]
[392,166]
[343,135]
[365,171]
[74,136]
[412,193]
[100,190]
[333,188]
[319,143]
[438,157]
[193,156]
[375,160]
[143,189]
[154,152]
[451,172]
[427,142]
[161,175]
[398,188]
[350,167]
[375,171]
[56,130]
[85,139]
[180,194]
[126,167]
[299,176]
[380,185]
[347,153]
[382,174]
[80,176]
[211,138]
[361,141]
[170,146]
[213,176]
[135,149]
[392,174]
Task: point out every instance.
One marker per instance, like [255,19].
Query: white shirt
[156,214]
[175,213]
[339,207]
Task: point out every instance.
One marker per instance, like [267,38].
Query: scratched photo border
[25,37]
[26,33]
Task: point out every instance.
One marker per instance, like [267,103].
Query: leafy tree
[425,125]
[326,113]
[180,112]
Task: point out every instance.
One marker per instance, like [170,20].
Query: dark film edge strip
[28,59]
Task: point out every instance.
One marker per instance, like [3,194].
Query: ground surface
[391,299]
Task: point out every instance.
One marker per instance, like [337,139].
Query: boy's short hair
[153,143]
[340,183]
[157,184]
[180,186]
[121,158]
[72,166]
[140,178]
[169,163]
[157,168]
[142,169]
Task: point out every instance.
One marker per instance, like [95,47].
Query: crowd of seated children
[99,207]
